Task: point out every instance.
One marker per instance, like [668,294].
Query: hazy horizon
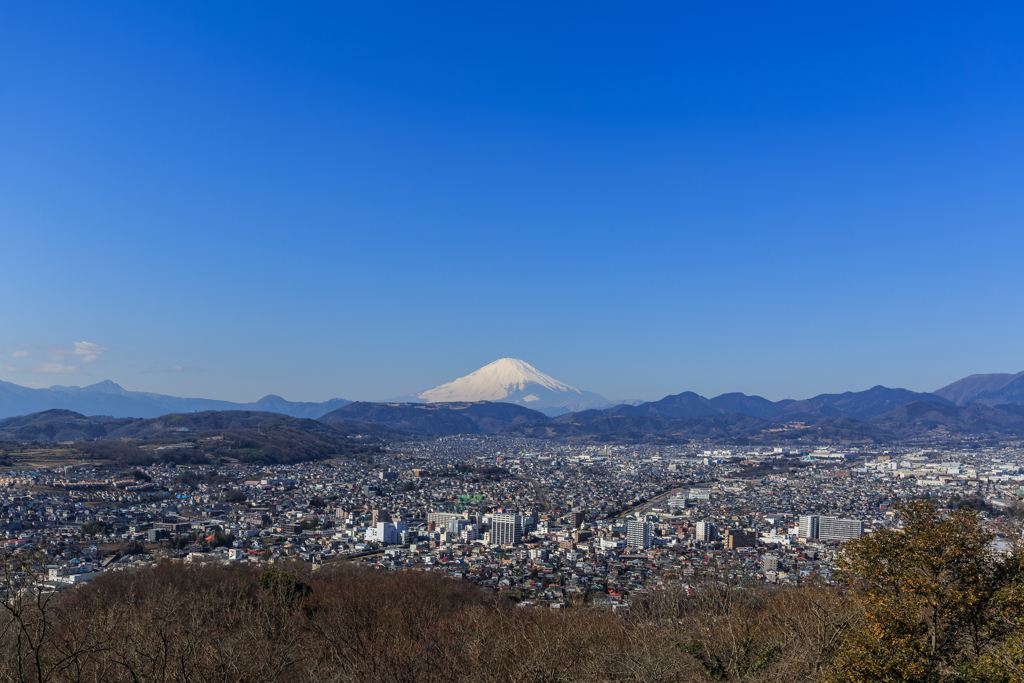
[407,394]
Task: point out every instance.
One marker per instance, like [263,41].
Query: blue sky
[233,199]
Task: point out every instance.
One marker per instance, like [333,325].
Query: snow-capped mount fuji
[510,380]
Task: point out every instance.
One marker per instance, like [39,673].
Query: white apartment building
[506,529]
[639,533]
[706,531]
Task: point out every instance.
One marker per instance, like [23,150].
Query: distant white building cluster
[826,528]
[388,533]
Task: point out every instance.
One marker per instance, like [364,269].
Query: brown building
[741,539]
[576,518]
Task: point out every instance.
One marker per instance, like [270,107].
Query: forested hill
[932,419]
[916,420]
[209,436]
[438,419]
[280,438]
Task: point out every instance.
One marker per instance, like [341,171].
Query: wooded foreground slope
[178,623]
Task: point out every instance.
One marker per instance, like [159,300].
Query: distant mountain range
[859,405]
[108,398]
[989,390]
[511,380]
[512,397]
[877,415]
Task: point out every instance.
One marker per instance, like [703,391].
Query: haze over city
[363,202]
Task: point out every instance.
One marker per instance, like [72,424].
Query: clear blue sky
[232,199]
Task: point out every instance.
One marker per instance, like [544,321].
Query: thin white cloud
[89,352]
[56,369]
[81,354]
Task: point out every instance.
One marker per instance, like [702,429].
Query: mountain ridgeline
[507,397]
[108,398]
[511,380]
[989,390]
[878,415]
[358,428]
[860,405]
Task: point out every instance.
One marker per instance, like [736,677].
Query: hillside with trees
[438,419]
[254,436]
[195,438]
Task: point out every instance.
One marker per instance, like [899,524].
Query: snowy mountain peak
[496,382]
[511,380]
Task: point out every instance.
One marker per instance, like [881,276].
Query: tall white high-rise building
[506,529]
[808,526]
[706,531]
[639,533]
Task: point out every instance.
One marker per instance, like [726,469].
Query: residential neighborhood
[548,524]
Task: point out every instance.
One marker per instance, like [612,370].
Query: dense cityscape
[544,523]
